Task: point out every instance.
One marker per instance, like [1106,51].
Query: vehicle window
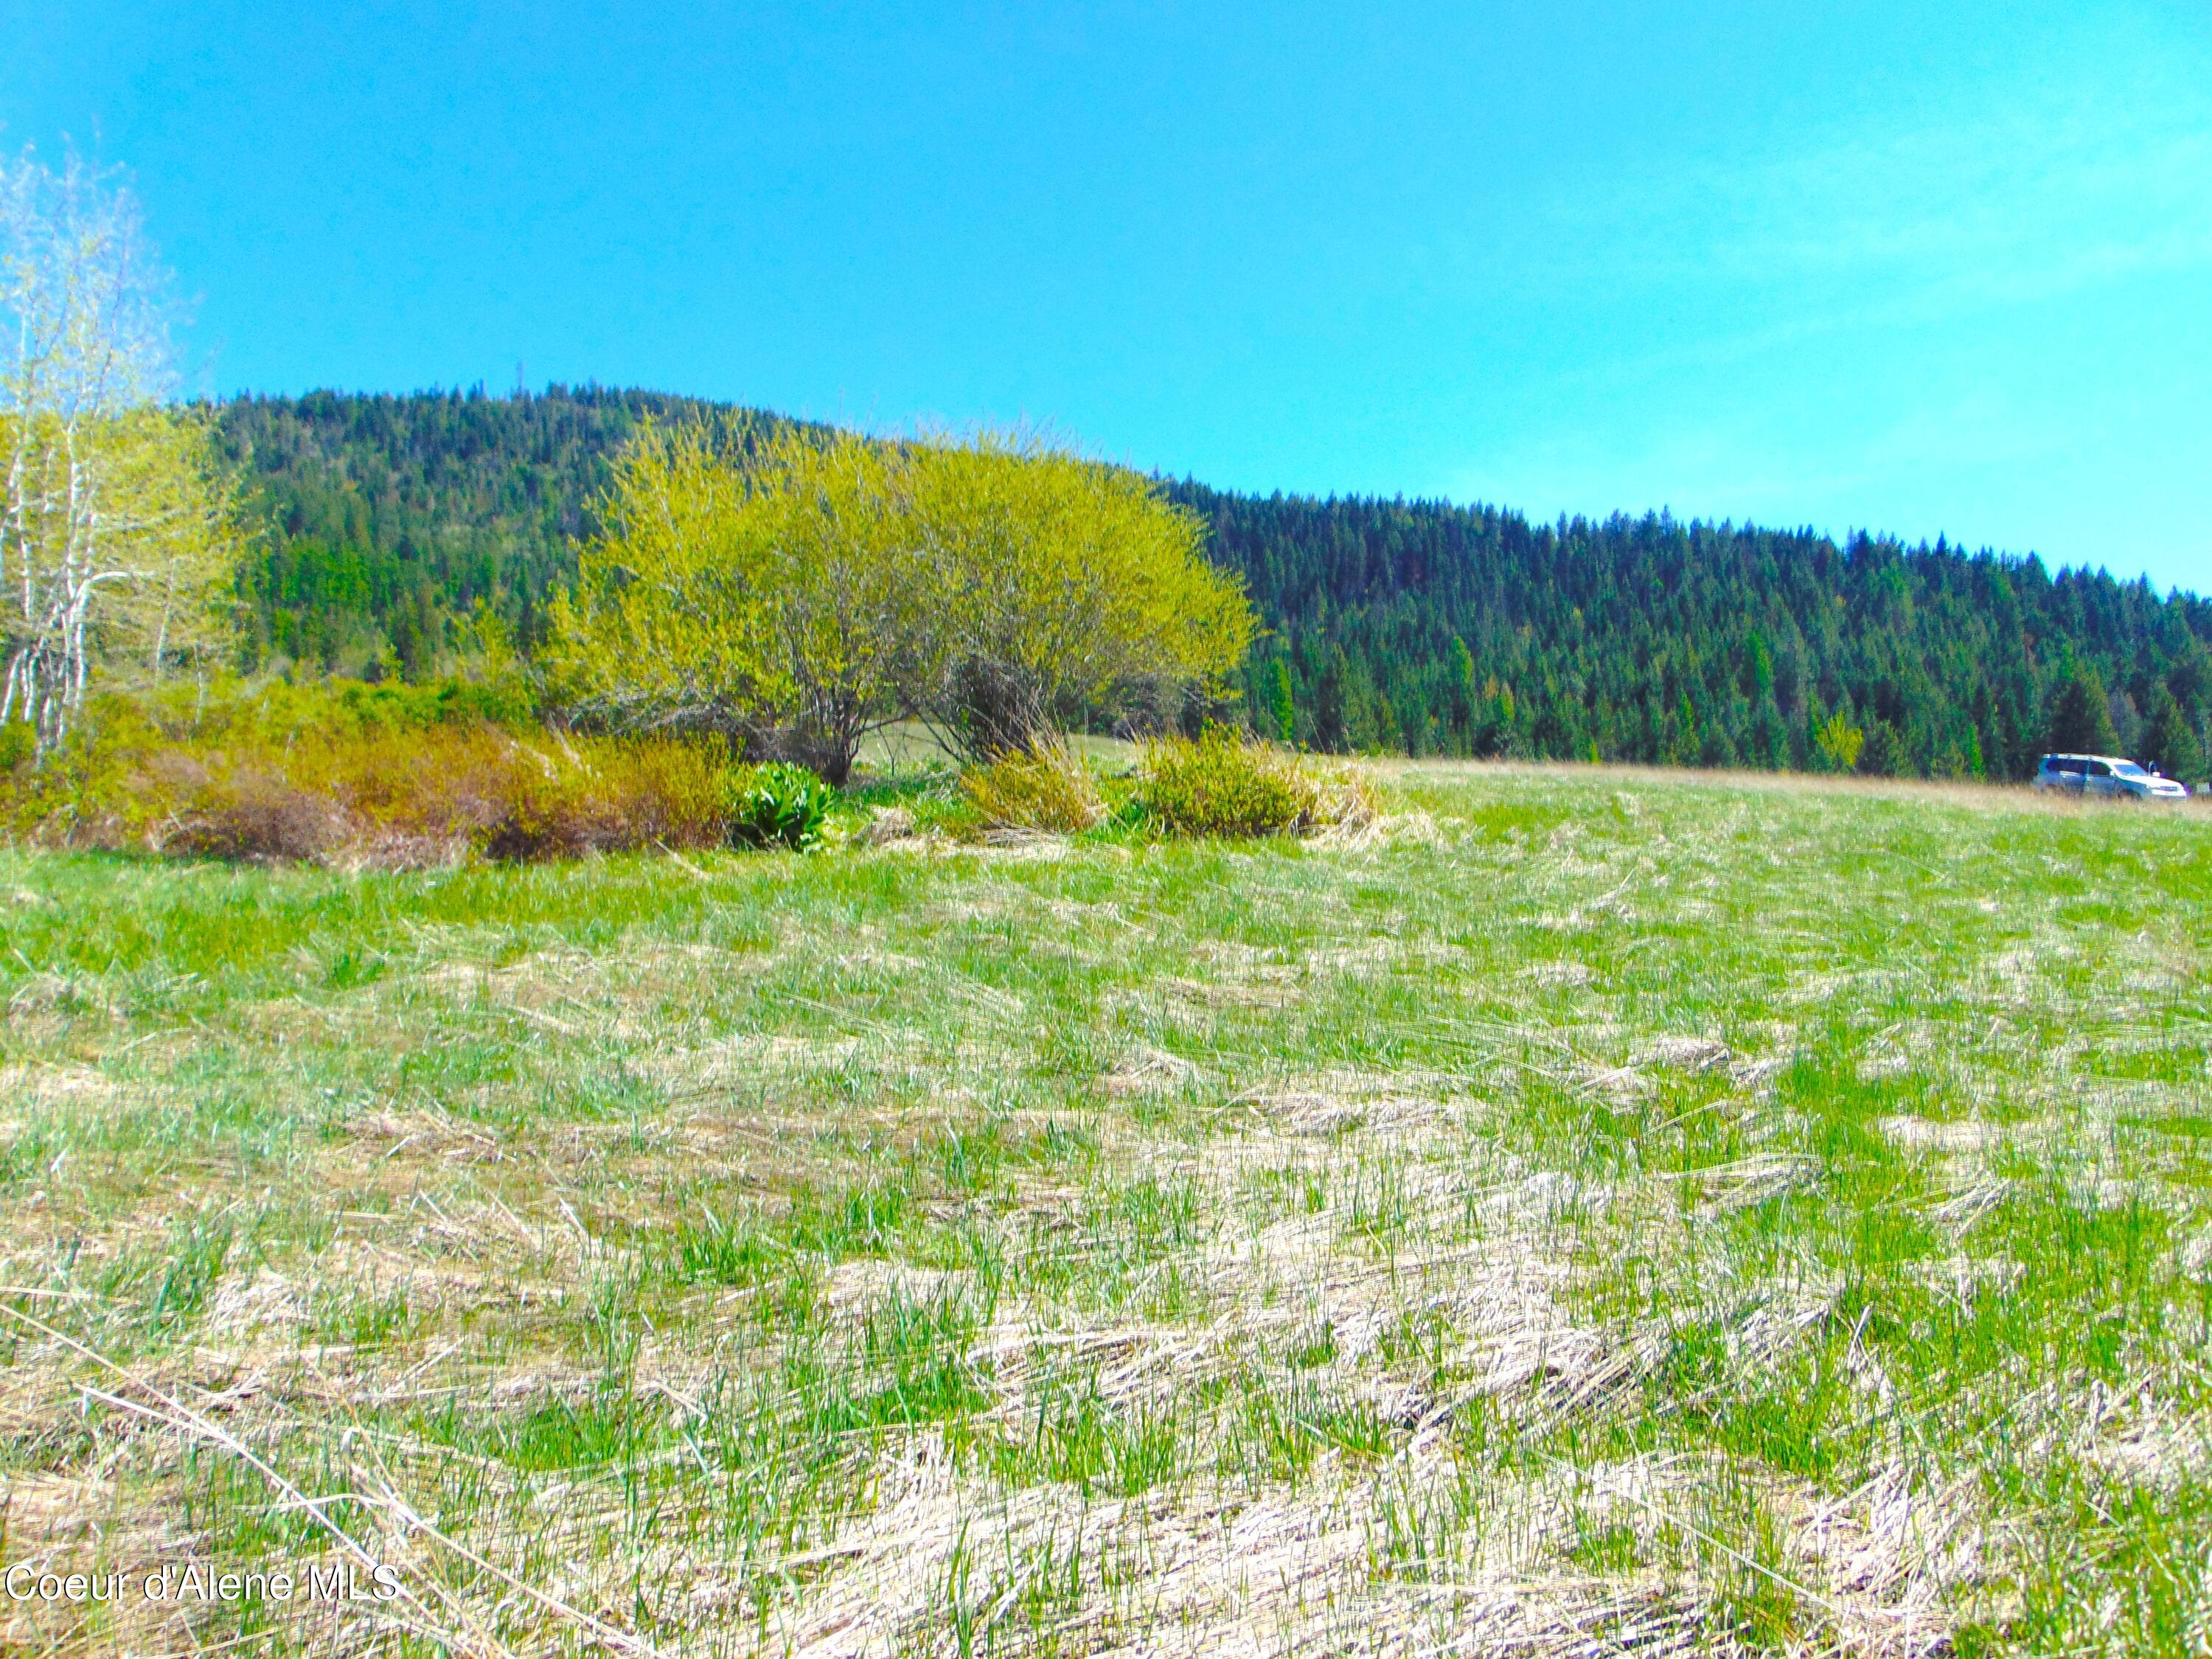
[2072,767]
[2099,769]
[2129,769]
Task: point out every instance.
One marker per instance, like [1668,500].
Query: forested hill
[1429,626]
[389,520]
[1395,625]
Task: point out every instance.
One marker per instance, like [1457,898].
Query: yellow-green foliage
[1055,583]
[1225,784]
[672,621]
[1045,786]
[359,775]
[754,586]
[794,591]
[118,524]
[1839,743]
[121,536]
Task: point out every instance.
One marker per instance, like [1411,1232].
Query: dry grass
[1971,794]
[1577,1214]
[1047,789]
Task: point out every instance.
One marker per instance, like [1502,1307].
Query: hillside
[1417,627]
[388,520]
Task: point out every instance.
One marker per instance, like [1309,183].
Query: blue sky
[1927,268]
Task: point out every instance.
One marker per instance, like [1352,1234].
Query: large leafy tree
[794,589]
[117,535]
[751,584]
[671,623]
[1055,586]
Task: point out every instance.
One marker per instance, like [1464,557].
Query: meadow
[1583,1210]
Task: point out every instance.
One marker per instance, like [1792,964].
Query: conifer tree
[1281,708]
[2168,744]
[2080,720]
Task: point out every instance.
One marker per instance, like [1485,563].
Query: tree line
[1387,626]
[388,525]
[993,587]
[1430,629]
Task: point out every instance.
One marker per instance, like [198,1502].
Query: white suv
[2103,774]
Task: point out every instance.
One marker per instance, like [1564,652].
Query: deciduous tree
[1837,743]
[117,529]
[1055,584]
[793,591]
[754,585]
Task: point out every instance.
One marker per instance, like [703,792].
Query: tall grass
[1224,783]
[1045,787]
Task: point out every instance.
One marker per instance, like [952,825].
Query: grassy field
[1586,1211]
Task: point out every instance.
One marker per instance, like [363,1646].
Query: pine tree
[2080,720]
[2168,744]
[1881,752]
[1465,694]
[1280,704]
[1329,702]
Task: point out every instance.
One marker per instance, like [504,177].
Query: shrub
[302,775]
[1045,786]
[796,588]
[778,805]
[1225,784]
[244,812]
[230,712]
[597,797]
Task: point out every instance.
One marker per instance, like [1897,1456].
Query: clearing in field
[1582,1213]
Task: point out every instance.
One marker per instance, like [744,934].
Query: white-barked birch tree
[118,530]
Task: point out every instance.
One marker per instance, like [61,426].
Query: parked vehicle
[2107,775]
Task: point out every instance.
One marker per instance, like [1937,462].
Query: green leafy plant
[778,805]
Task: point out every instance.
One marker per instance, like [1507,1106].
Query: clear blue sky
[1925,267]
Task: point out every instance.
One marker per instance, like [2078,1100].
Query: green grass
[1586,1207]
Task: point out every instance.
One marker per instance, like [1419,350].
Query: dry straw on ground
[1634,1216]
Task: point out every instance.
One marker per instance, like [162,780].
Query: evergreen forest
[392,530]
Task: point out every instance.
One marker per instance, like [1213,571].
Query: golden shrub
[1224,783]
[382,794]
[1045,787]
